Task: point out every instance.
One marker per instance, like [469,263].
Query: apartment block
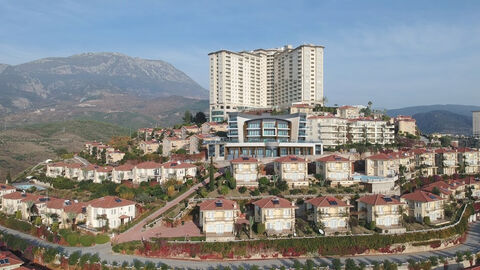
[468,160]
[476,124]
[265,78]
[446,160]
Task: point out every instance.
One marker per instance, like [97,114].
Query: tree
[436,191]
[459,256]
[187,118]
[350,264]
[469,257]
[433,260]
[200,118]
[74,257]
[223,190]
[336,264]
[9,177]
[211,175]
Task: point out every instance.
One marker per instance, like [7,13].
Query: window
[286,212]
[210,214]
[228,214]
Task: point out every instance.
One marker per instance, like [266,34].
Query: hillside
[78,78]
[444,122]
[23,147]
[465,110]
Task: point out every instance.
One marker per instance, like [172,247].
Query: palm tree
[72,218]
[469,257]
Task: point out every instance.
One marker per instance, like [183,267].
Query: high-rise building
[265,79]
[476,124]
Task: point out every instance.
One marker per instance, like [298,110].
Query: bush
[372,225]
[255,192]
[20,225]
[259,228]
[72,239]
[426,220]
[102,239]
[86,240]
[74,257]
[242,190]
[263,181]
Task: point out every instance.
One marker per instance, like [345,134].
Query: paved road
[105,252]
[81,160]
[136,232]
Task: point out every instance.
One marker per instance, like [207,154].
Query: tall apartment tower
[476,124]
[265,79]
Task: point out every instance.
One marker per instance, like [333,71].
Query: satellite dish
[321,231]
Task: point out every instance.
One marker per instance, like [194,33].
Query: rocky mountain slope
[82,77]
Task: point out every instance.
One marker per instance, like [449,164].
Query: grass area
[124,119]
[88,129]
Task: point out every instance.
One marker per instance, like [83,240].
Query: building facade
[265,78]
[217,219]
[330,212]
[277,214]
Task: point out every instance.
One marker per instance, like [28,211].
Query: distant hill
[465,110]
[448,118]
[3,67]
[444,122]
[59,80]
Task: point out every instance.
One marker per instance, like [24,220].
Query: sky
[393,53]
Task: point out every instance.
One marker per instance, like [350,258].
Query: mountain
[444,122]
[465,110]
[59,80]
[3,67]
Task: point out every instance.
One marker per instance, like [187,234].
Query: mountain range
[448,118]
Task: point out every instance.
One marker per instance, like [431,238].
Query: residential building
[55,169]
[468,160]
[385,211]
[348,112]
[265,79]
[473,184]
[8,261]
[446,161]
[405,125]
[176,170]
[423,204]
[301,108]
[265,135]
[443,189]
[197,142]
[102,174]
[149,147]
[331,130]
[277,214]
[213,127]
[109,211]
[329,213]
[114,157]
[74,171]
[122,173]
[189,130]
[173,144]
[6,189]
[424,162]
[146,171]
[476,124]
[293,170]
[384,165]
[245,171]
[65,212]
[217,219]
[336,169]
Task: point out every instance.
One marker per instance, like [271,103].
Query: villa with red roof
[277,214]
[146,171]
[148,147]
[441,187]
[122,173]
[217,219]
[328,211]
[9,261]
[293,170]
[422,204]
[446,160]
[6,189]
[389,164]
[189,130]
[171,144]
[213,127]
[336,169]
[245,171]
[177,170]
[66,212]
[55,169]
[469,159]
[109,210]
[424,161]
[385,211]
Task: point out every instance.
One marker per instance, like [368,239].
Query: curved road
[105,252]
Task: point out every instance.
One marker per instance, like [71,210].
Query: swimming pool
[28,186]
[369,178]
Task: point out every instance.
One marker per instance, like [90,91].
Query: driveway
[105,252]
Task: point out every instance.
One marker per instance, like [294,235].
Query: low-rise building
[55,169]
[423,204]
[187,131]
[65,212]
[440,188]
[385,211]
[424,160]
[146,171]
[149,147]
[114,157]
[293,170]
[468,160]
[336,169]
[102,174]
[6,189]
[109,211]
[245,171]
[301,108]
[329,213]
[405,125]
[213,127]
[8,261]
[172,144]
[446,161]
[176,170]
[348,112]
[217,219]
[277,214]
[122,173]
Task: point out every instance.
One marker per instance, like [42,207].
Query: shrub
[242,190]
[72,239]
[274,191]
[102,239]
[259,228]
[426,220]
[74,257]
[49,255]
[86,240]
[20,225]
[372,225]
[255,192]
[263,181]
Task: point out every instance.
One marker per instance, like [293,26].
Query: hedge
[16,224]
[86,240]
[326,246]
[102,239]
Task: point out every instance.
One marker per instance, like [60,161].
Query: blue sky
[394,53]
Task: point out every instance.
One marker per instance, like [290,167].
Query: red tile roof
[177,165]
[6,187]
[421,196]
[290,159]
[124,168]
[244,160]
[218,204]
[20,196]
[379,199]
[273,202]
[441,185]
[333,158]
[148,165]
[105,169]
[327,201]
[12,260]
[444,150]
[55,203]
[75,207]
[109,202]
